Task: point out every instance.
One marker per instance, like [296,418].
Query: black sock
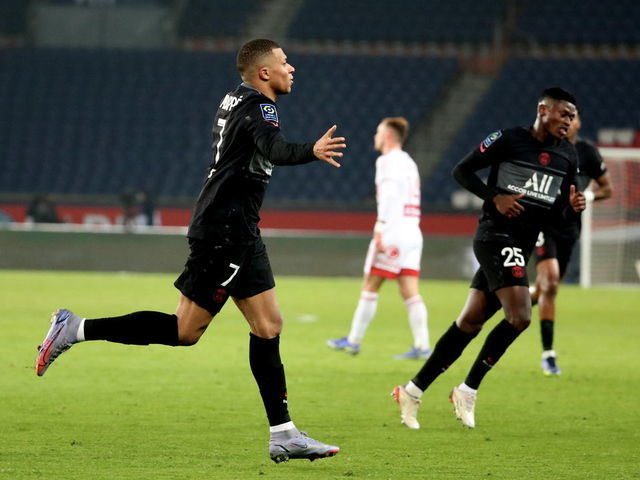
[267,369]
[446,351]
[546,333]
[496,343]
[138,328]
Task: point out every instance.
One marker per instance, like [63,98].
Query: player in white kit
[395,250]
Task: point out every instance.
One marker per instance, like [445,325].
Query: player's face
[379,137]
[280,72]
[558,117]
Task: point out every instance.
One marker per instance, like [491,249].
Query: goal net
[610,241]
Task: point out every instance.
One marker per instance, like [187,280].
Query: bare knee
[268,329]
[520,318]
[193,320]
[188,338]
[549,286]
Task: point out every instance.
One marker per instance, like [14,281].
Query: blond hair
[399,125]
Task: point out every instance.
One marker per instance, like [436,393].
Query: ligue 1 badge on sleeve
[269,113]
[486,143]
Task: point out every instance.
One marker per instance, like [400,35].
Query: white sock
[365,311]
[467,389]
[282,427]
[80,332]
[418,317]
[413,390]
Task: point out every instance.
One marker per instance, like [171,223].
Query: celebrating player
[556,242]
[228,257]
[396,247]
[532,173]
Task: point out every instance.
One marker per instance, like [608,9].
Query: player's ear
[263,73]
[542,108]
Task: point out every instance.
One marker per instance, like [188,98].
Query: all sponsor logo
[540,183]
[486,143]
[269,113]
[537,186]
[540,187]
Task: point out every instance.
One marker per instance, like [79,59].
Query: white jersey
[398,197]
[398,191]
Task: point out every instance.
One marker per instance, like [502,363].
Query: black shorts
[555,246]
[213,273]
[502,264]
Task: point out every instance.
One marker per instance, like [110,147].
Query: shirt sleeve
[591,162]
[264,127]
[488,153]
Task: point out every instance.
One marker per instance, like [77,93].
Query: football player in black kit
[556,242]
[532,172]
[228,258]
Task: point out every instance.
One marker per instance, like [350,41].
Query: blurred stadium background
[106,110]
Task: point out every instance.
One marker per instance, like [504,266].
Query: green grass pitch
[107,411]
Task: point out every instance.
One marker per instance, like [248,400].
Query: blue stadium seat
[100,121]
[219,18]
[402,20]
[580,22]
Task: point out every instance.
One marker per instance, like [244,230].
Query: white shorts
[403,250]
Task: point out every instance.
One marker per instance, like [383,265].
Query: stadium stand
[13,17]
[579,22]
[222,18]
[511,102]
[97,122]
[402,20]
[100,121]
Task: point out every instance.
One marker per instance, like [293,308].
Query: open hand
[326,147]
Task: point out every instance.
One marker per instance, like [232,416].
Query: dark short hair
[557,93]
[399,125]
[251,52]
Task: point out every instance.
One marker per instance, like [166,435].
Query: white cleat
[408,406]
[464,404]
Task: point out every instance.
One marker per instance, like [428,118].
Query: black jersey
[592,166]
[519,163]
[247,143]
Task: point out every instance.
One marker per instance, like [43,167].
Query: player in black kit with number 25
[532,173]
[228,258]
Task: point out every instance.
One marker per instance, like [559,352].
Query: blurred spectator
[147,207]
[42,210]
[129,209]
[138,208]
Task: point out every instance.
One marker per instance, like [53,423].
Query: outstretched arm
[280,152]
